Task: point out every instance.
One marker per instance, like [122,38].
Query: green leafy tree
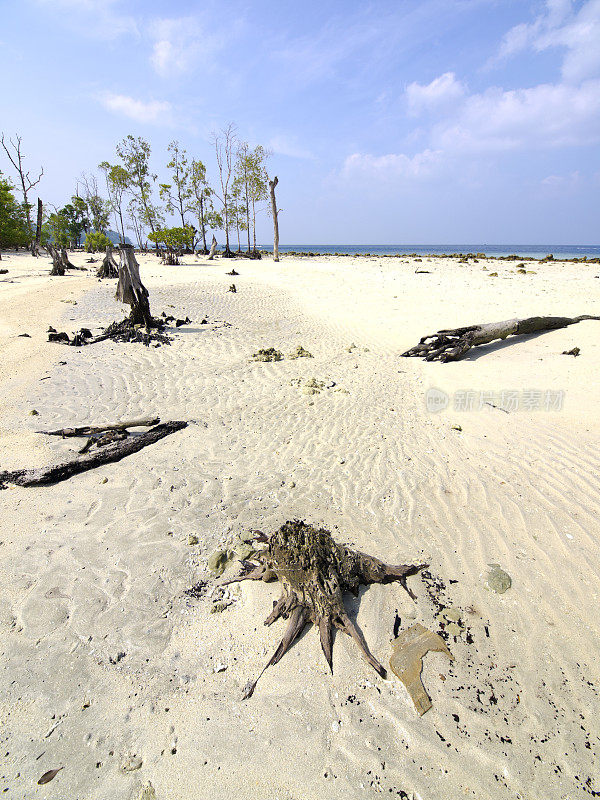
[135,156]
[75,221]
[201,201]
[179,192]
[258,183]
[14,229]
[96,241]
[238,210]
[175,240]
[56,230]
[117,186]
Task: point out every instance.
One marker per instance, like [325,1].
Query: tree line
[132,199]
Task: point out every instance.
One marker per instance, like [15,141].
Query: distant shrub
[96,242]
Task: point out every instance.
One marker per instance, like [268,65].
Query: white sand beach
[112,672]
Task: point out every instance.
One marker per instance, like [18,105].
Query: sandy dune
[111,671]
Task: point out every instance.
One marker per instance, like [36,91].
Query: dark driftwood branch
[451,345]
[114,451]
[90,430]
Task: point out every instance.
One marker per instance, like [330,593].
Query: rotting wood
[58,267]
[275,214]
[453,344]
[109,267]
[314,572]
[114,451]
[90,430]
[407,661]
[131,290]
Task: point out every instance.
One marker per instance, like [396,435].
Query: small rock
[131,763]
[451,614]
[457,427]
[193,539]
[243,550]
[104,480]
[497,580]
[218,561]
[148,793]
[34,413]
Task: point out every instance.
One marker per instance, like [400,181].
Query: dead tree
[58,268]
[109,267]
[65,259]
[213,248]
[27,183]
[131,290]
[453,344]
[35,249]
[275,215]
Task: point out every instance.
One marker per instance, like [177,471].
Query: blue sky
[414,121]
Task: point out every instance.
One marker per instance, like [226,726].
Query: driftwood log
[314,571]
[109,267]
[453,344]
[90,430]
[114,451]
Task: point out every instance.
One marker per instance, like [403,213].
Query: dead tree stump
[109,267]
[213,248]
[58,268]
[131,290]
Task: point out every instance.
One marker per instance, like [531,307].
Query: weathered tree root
[452,345]
[106,454]
[314,572]
[109,267]
[124,331]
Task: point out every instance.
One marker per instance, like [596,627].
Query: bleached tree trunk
[131,290]
[213,248]
[275,213]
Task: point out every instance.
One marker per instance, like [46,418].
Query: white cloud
[180,43]
[548,115]
[437,95]
[288,146]
[98,19]
[577,31]
[390,166]
[153,111]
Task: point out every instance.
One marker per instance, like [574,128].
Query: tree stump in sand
[314,572]
[58,268]
[213,248]
[131,290]
[109,267]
